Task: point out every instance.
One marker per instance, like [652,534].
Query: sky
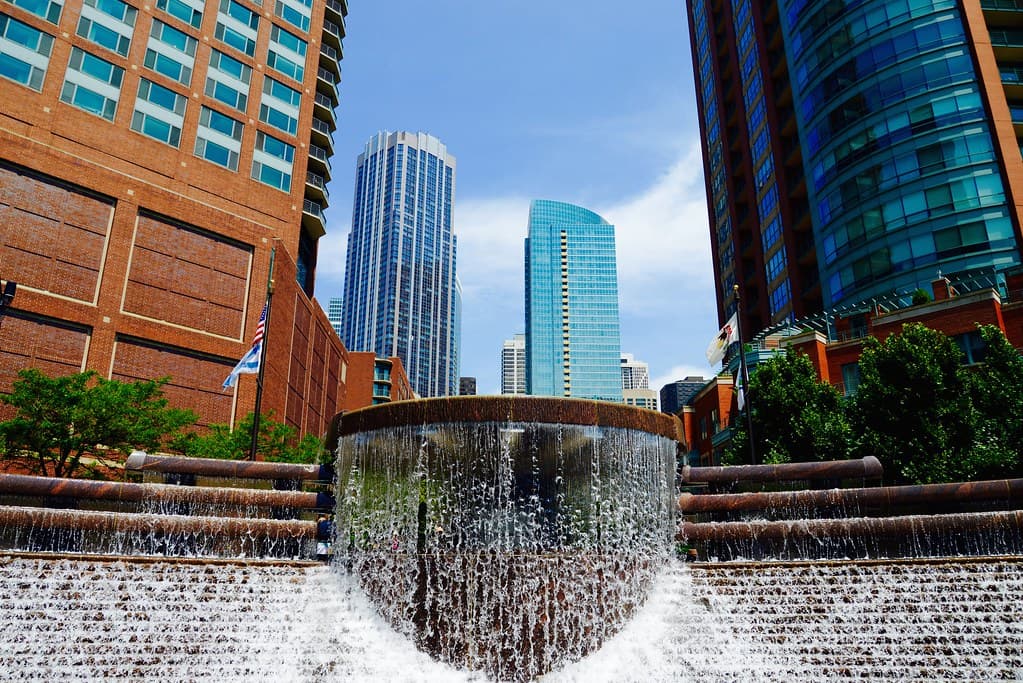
[582,101]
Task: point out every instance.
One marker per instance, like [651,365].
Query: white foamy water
[91,620]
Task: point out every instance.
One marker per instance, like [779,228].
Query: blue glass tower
[855,149]
[572,334]
[401,296]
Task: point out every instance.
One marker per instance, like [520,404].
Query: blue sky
[588,102]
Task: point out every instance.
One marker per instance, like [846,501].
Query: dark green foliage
[796,416]
[81,424]
[913,409]
[996,386]
[278,442]
[920,296]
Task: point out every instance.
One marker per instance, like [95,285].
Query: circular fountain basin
[507,534]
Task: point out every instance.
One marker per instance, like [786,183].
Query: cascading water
[505,546]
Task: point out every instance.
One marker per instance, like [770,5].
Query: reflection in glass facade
[899,156]
[572,334]
[401,295]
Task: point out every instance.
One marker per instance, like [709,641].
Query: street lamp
[7,297]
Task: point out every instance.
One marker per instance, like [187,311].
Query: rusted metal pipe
[23,485]
[880,496]
[865,468]
[45,518]
[967,522]
[241,469]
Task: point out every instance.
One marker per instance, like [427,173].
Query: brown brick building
[152,156]
[709,416]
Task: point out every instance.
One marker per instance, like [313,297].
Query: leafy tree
[64,426]
[996,386]
[277,442]
[796,416]
[913,408]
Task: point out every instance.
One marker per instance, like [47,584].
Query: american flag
[250,361]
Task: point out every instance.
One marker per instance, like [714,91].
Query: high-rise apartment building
[513,365]
[635,373]
[153,158]
[401,296]
[572,333]
[856,149]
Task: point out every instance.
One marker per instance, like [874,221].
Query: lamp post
[7,297]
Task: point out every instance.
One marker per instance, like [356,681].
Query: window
[170,52]
[46,9]
[272,161]
[108,23]
[295,12]
[92,84]
[24,52]
[228,80]
[851,377]
[188,11]
[237,26]
[287,53]
[218,138]
[159,112]
[279,106]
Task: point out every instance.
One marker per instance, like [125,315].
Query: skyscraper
[856,149]
[635,373]
[152,157]
[335,314]
[401,296]
[513,365]
[572,334]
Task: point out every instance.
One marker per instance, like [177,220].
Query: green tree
[278,442]
[913,409]
[996,387]
[796,416]
[83,423]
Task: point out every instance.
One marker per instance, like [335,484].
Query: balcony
[330,59]
[1008,45]
[312,218]
[1001,5]
[322,135]
[325,106]
[316,187]
[319,159]
[336,10]
[327,81]
[332,33]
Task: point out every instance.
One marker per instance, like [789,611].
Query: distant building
[679,393]
[572,331]
[334,314]
[466,386]
[401,296]
[635,373]
[513,365]
[641,398]
[372,381]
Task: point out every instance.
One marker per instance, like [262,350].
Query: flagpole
[745,378]
[262,357]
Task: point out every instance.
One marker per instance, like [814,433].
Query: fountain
[506,534]
[509,539]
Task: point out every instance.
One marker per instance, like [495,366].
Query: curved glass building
[857,148]
[572,333]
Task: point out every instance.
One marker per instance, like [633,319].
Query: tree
[913,408]
[796,416]
[996,387]
[277,442]
[83,422]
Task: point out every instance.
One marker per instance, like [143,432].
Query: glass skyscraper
[856,149]
[572,334]
[401,296]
